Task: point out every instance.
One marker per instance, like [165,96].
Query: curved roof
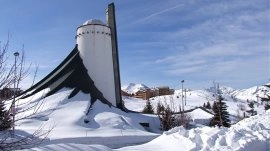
[93,22]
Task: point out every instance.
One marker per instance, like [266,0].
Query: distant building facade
[123,93]
[158,91]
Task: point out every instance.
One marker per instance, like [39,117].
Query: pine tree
[5,121]
[165,116]
[208,105]
[148,109]
[221,115]
[252,112]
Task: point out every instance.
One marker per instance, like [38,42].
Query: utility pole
[16,54]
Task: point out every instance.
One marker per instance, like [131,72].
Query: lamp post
[183,94]
[16,54]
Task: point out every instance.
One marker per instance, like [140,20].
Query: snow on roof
[200,114]
[93,21]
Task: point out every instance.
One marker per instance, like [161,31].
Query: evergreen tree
[148,109]
[221,115]
[5,121]
[208,105]
[252,112]
[165,116]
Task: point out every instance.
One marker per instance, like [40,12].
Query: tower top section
[93,22]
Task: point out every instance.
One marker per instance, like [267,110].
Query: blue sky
[160,42]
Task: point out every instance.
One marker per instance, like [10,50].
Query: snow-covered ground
[109,128]
[248,135]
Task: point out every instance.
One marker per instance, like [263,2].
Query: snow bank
[248,135]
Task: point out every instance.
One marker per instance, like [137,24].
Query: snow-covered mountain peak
[133,88]
[226,89]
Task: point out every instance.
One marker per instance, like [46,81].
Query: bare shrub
[12,76]
[182,120]
[169,118]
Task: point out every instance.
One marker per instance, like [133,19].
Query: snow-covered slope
[251,93]
[196,98]
[133,88]
[226,90]
[74,123]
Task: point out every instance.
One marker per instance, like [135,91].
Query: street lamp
[182,94]
[185,96]
[16,54]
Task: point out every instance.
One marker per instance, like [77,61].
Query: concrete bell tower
[97,44]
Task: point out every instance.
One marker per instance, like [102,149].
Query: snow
[72,147]
[107,126]
[112,129]
[134,104]
[251,93]
[134,88]
[94,22]
[226,89]
[200,116]
[248,135]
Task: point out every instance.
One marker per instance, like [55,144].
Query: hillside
[195,98]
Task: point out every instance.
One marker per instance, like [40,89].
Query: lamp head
[16,54]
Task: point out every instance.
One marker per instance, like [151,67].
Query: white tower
[95,47]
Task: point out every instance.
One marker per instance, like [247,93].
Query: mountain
[133,88]
[226,90]
[251,93]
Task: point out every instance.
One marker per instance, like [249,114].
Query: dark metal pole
[182,95]
[185,96]
[16,54]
